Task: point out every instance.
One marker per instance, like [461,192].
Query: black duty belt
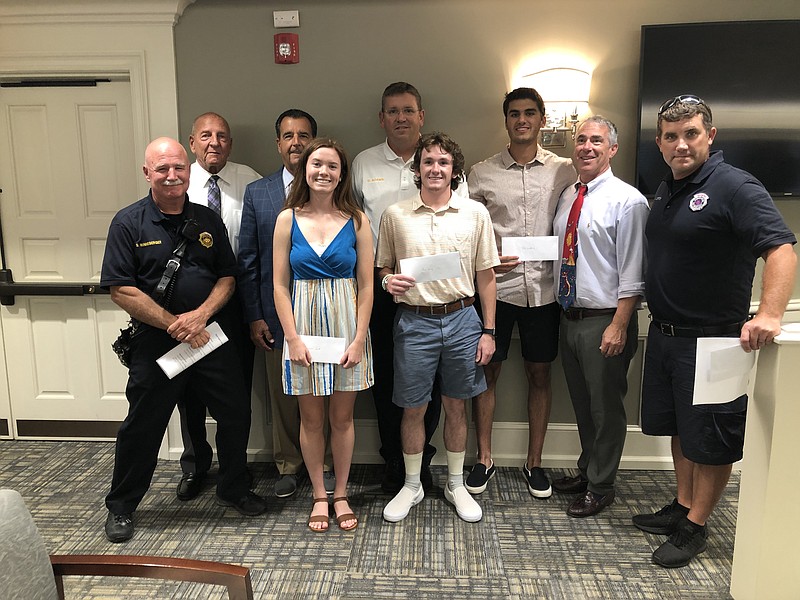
[672,330]
[439,309]
[576,314]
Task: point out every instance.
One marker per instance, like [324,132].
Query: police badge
[206,240]
[698,202]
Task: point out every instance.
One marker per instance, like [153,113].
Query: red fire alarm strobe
[287,49]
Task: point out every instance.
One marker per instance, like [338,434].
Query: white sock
[413,464]
[455,469]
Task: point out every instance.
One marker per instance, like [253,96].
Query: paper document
[542,247]
[790,332]
[722,371]
[322,349]
[432,268]
[183,356]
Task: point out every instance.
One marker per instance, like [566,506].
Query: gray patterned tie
[214,195]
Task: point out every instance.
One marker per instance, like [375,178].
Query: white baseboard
[509,446]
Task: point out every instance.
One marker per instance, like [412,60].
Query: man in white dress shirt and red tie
[600,226]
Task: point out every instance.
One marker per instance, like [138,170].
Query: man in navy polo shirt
[708,225]
[141,240]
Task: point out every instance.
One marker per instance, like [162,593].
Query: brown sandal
[318,518]
[345,517]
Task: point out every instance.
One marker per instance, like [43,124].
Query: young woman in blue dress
[323,274]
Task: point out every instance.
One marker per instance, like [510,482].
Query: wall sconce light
[565,92]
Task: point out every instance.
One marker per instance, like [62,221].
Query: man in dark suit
[263,200]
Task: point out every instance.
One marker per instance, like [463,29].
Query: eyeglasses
[395,112]
[685,99]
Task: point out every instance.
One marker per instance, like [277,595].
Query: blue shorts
[425,345]
[710,434]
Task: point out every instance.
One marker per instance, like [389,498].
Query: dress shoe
[402,503]
[570,485]
[286,485]
[119,528]
[589,504]
[190,486]
[249,505]
[468,510]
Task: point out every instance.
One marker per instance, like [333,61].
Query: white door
[67,165]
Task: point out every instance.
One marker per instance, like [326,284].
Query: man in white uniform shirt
[600,226]
[218,183]
[382,176]
[520,187]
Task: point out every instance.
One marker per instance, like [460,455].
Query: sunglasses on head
[685,99]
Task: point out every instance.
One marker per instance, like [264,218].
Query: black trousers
[390,415]
[197,452]
[215,380]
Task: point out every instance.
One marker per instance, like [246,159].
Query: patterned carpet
[523,547]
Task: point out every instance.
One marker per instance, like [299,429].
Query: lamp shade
[561,84]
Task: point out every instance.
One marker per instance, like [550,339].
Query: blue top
[140,242]
[704,235]
[337,262]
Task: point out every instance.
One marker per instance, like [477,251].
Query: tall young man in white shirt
[520,187]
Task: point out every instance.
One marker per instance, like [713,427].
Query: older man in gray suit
[263,200]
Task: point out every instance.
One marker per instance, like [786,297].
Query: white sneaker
[398,507]
[466,507]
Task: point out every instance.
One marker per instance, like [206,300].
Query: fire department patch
[698,202]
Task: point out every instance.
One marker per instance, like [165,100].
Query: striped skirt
[326,307]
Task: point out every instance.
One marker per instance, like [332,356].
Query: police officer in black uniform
[141,241]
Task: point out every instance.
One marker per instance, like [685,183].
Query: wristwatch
[489,330]
[385,282]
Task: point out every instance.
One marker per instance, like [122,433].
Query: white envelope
[433,267]
[323,349]
[183,356]
[722,371]
[540,247]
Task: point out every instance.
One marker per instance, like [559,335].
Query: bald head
[162,145]
[166,168]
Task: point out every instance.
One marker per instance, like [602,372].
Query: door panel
[67,165]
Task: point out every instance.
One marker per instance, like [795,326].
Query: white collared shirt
[380,179]
[522,201]
[410,228]
[611,252]
[233,179]
[288,178]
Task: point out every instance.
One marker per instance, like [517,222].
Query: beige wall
[463,55]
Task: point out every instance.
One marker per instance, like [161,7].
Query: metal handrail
[9,289]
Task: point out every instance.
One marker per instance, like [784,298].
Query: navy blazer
[263,200]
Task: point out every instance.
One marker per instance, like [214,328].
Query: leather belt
[576,314]
[671,330]
[439,309]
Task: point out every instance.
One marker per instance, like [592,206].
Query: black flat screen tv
[748,74]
